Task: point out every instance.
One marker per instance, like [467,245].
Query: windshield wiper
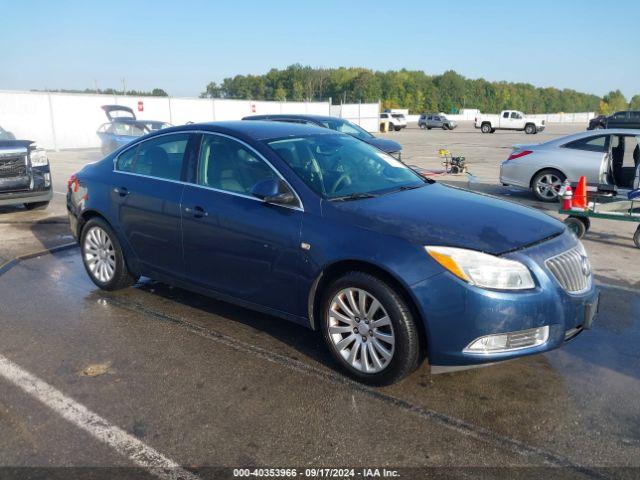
[353,196]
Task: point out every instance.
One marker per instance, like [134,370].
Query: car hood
[440,215]
[385,145]
[15,143]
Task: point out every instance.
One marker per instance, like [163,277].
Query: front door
[234,243]
[147,199]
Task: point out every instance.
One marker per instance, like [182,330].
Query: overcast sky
[591,46]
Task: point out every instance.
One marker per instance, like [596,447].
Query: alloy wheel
[548,186]
[360,330]
[99,254]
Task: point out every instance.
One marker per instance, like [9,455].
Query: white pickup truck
[509,120]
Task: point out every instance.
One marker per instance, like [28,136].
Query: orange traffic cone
[580,196]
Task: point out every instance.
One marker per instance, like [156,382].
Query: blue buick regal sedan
[324,230]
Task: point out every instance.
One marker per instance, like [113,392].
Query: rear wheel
[369,329]
[103,257]
[486,128]
[546,185]
[576,225]
[36,205]
[530,129]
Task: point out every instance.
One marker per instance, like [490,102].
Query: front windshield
[340,166]
[344,126]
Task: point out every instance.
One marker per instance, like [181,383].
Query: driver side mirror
[274,191]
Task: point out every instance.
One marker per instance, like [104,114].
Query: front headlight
[483,270]
[39,158]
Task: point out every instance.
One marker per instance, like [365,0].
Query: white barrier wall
[367,115]
[61,120]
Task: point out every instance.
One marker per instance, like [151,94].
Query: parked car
[605,157]
[326,231]
[123,127]
[25,175]
[436,120]
[597,122]
[339,125]
[625,119]
[397,121]
[6,135]
[509,120]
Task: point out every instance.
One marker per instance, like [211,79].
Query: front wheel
[546,185]
[530,129]
[103,257]
[369,329]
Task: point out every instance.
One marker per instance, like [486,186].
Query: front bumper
[39,189]
[456,313]
[540,128]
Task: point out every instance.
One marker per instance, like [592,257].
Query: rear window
[590,144]
[159,157]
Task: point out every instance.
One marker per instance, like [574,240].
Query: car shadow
[307,342]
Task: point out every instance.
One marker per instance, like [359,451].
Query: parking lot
[206,384]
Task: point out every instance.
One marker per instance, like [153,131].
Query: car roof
[295,116]
[256,130]
[594,133]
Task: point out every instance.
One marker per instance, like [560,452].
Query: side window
[590,144]
[620,116]
[158,157]
[437,119]
[515,115]
[505,115]
[384,115]
[227,165]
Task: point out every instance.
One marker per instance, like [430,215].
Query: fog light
[508,342]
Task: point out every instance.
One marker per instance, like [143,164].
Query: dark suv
[25,176]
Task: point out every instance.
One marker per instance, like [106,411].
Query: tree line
[415,90]
[156,92]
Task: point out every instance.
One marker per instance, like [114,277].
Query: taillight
[523,153]
[72,183]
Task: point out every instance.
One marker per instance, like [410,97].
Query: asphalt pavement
[155,381]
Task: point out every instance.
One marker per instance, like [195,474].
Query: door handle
[197,211]
[122,191]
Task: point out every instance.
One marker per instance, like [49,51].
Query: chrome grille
[571,269]
[13,167]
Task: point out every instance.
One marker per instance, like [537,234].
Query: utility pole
[124,86]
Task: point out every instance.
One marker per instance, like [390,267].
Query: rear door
[147,197]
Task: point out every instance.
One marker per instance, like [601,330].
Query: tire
[92,239]
[575,225]
[547,177]
[636,237]
[394,360]
[391,126]
[397,129]
[428,128]
[36,205]
[530,129]
[486,128]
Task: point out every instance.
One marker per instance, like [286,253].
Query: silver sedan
[605,157]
